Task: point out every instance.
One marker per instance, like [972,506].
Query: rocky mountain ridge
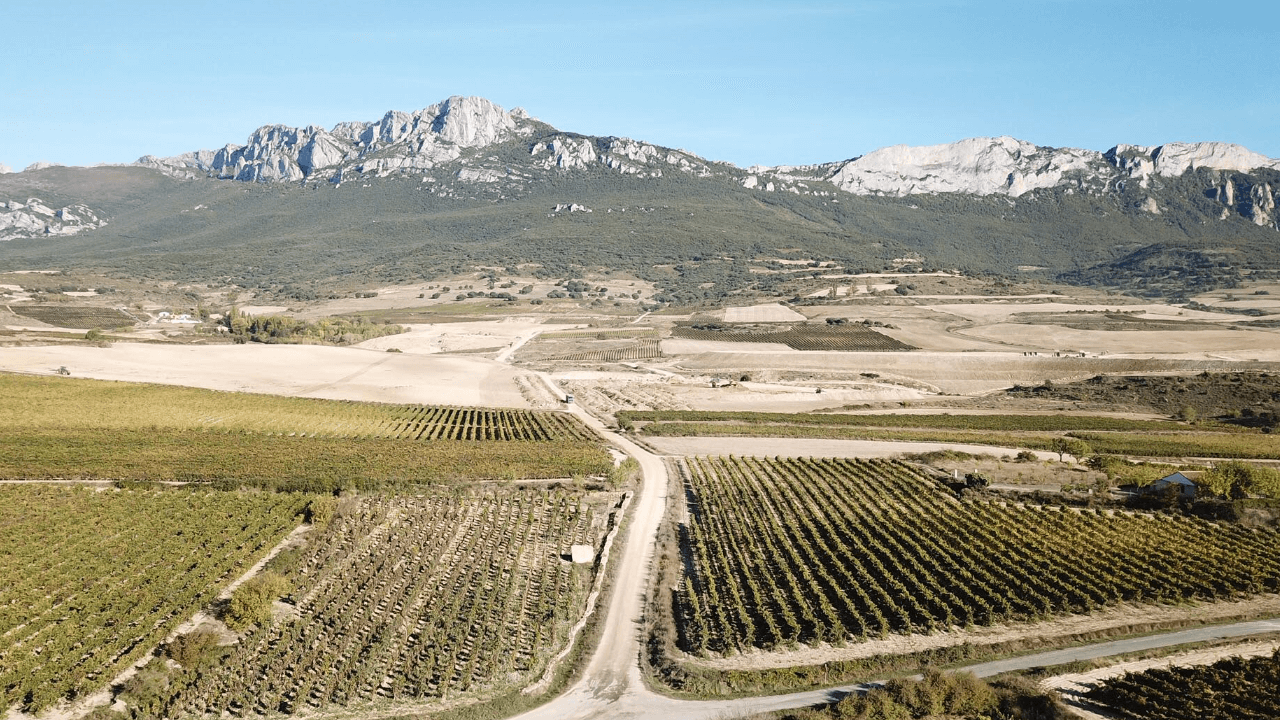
[466,183]
[460,129]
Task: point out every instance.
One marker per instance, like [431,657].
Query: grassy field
[94,580]
[88,429]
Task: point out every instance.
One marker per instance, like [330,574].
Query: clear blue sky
[748,82]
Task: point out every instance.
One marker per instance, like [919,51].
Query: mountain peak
[399,139]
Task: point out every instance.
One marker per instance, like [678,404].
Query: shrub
[251,602]
[193,649]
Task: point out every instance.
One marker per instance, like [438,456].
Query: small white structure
[582,553]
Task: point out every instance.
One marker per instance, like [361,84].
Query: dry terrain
[295,370]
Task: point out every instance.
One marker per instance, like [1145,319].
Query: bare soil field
[1202,342]
[296,370]
[998,310]
[970,373]
[762,313]
[434,338]
[611,392]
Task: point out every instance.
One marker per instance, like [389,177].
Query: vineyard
[1232,689]
[94,580]
[410,599]
[811,550]
[644,349]
[33,402]
[75,316]
[281,462]
[1040,423]
[844,338]
[57,428]
[1109,435]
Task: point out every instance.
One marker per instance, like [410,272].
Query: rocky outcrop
[1175,159]
[399,141]
[978,166]
[5,169]
[33,218]
[455,131]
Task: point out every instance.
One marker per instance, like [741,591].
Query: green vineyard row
[805,550]
[1234,688]
[94,580]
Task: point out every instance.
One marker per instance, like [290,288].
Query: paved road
[611,686]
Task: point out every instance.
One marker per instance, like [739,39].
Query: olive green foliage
[291,241]
[416,598]
[146,689]
[1041,423]
[251,602]
[1081,435]
[1235,479]
[320,511]
[302,464]
[868,548]
[937,693]
[955,696]
[1071,446]
[626,472]
[1125,472]
[131,565]
[1231,688]
[193,649]
[285,329]
[78,428]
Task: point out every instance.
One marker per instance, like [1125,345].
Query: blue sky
[748,82]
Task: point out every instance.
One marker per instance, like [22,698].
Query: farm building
[1185,485]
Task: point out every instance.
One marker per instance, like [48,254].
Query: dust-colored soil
[1056,337]
[429,339]
[807,447]
[994,312]
[1073,686]
[609,393]
[1113,618]
[969,373]
[297,370]
[762,313]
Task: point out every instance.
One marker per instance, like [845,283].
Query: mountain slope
[303,212]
